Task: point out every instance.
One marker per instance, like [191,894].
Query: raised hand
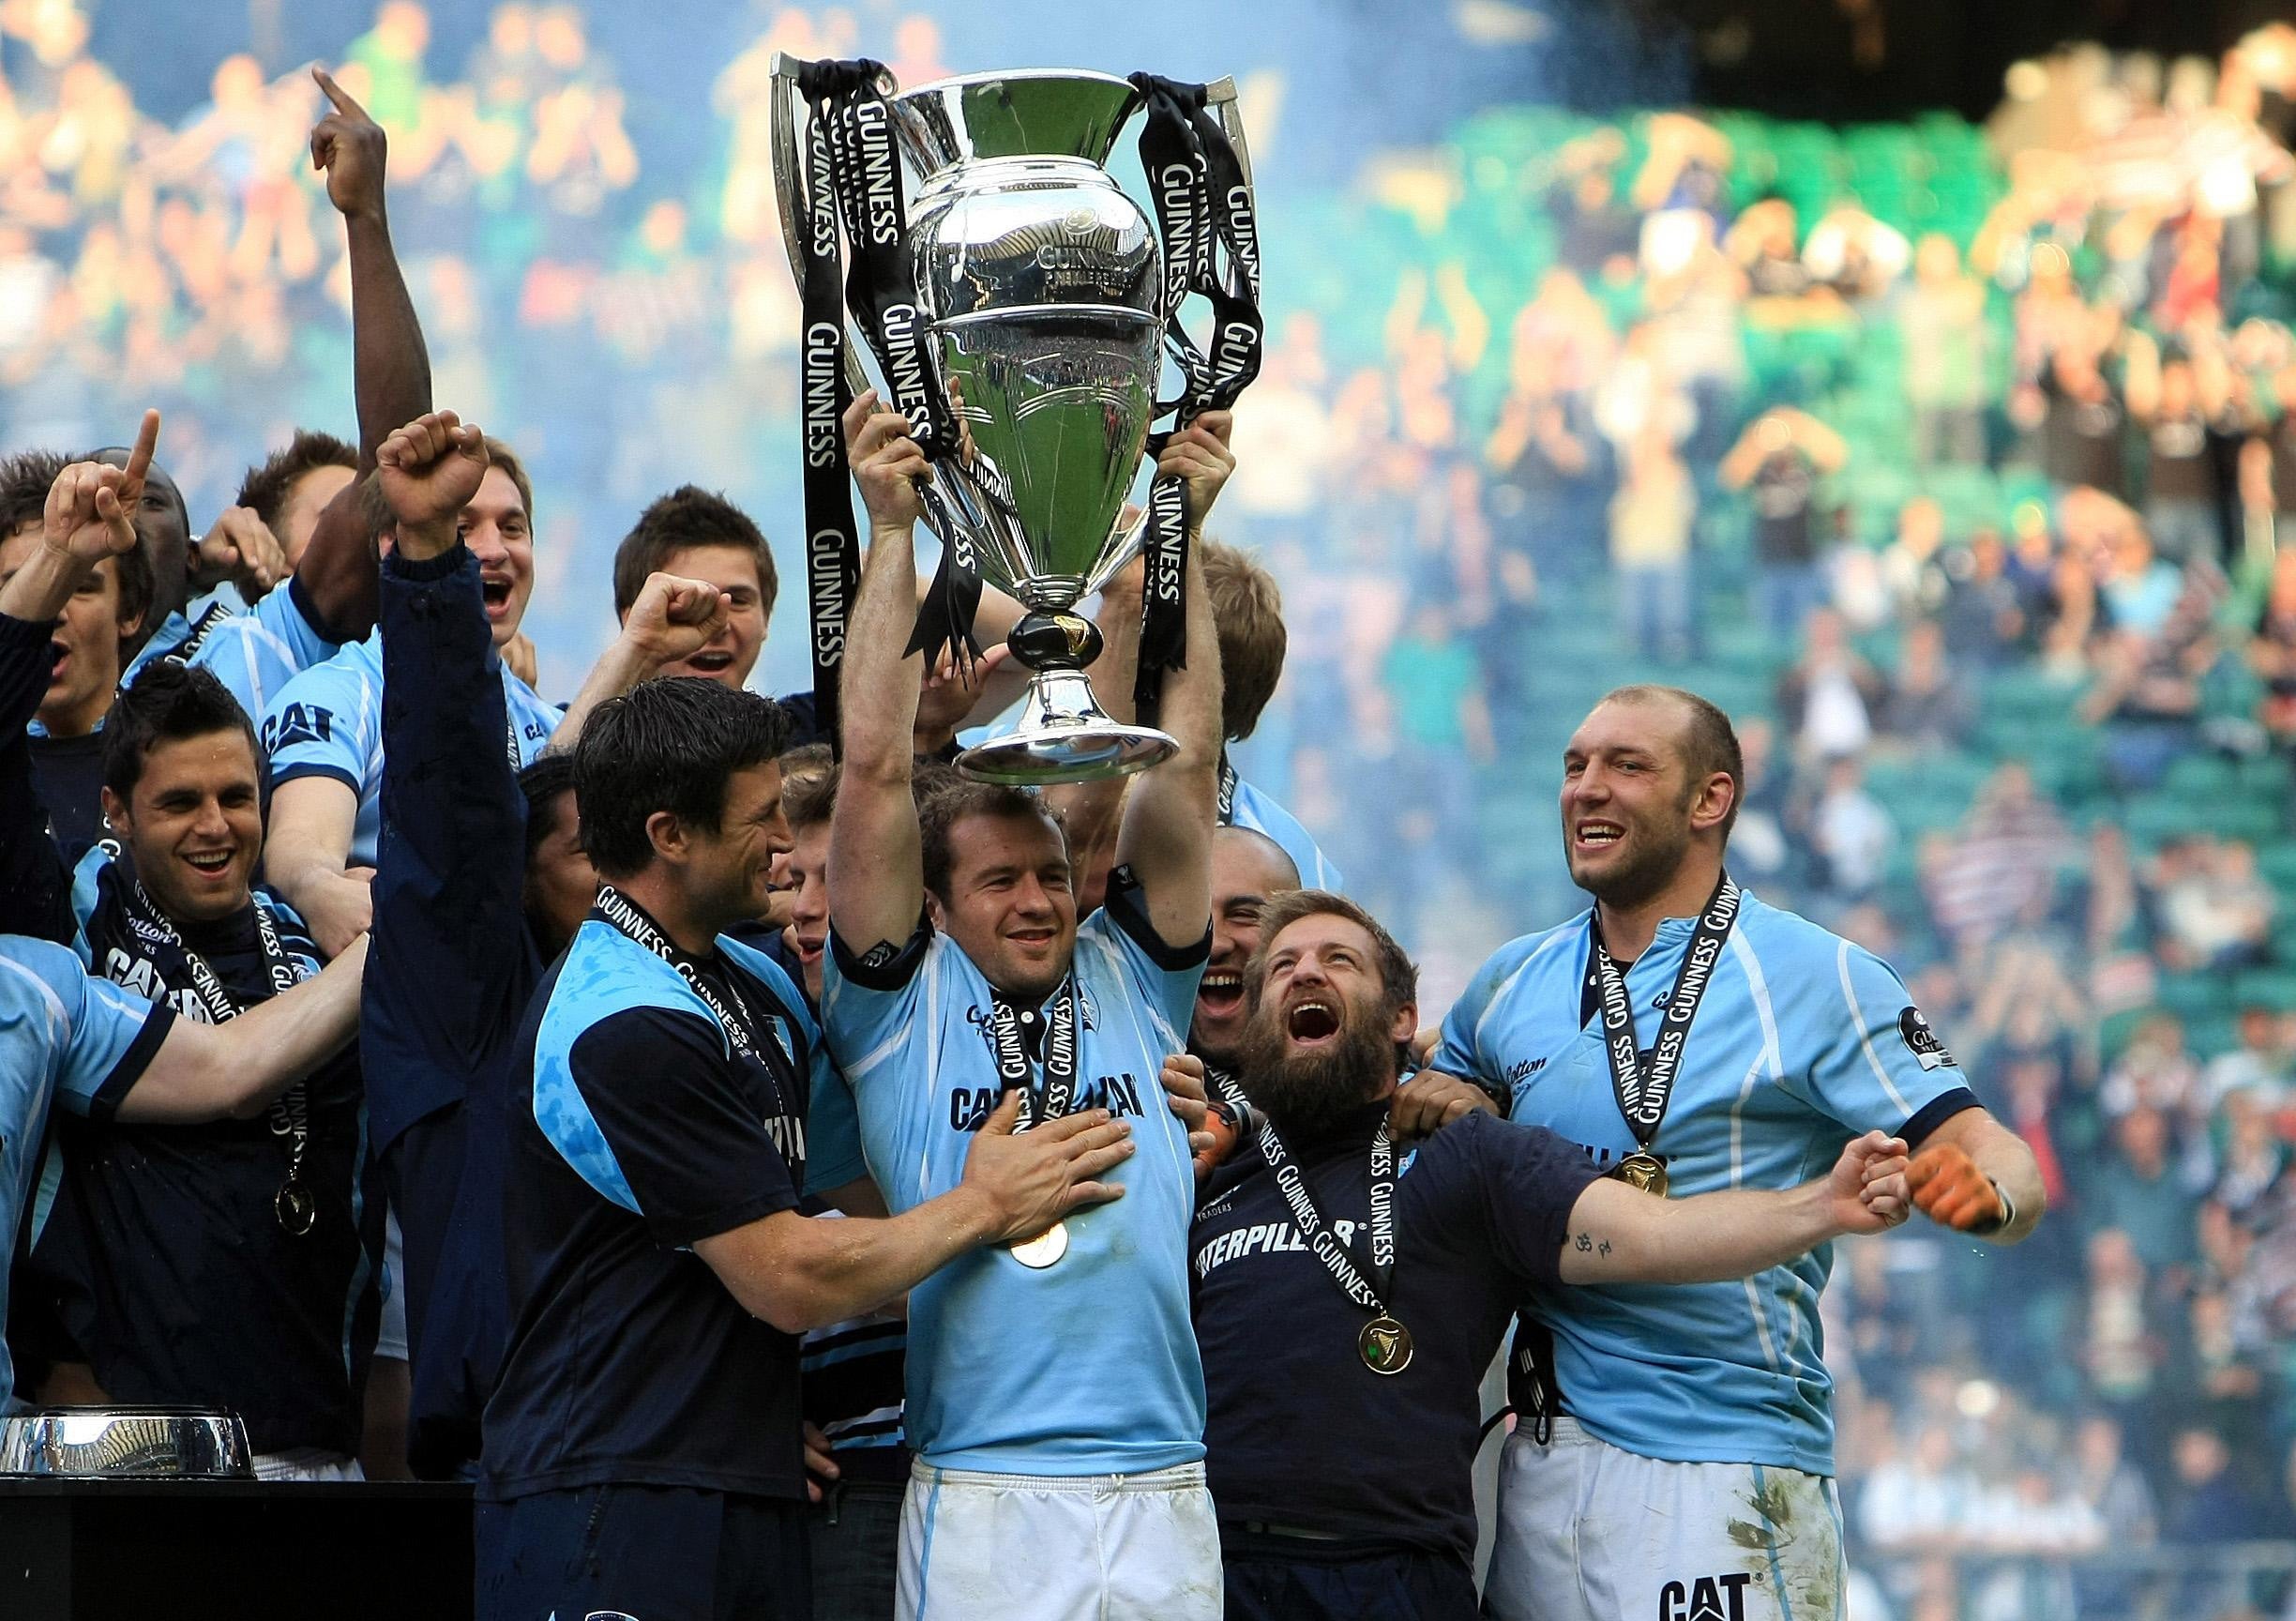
[1949,1189]
[349,146]
[429,470]
[948,695]
[887,463]
[1033,1178]
[1867,1190]
[1198,455]
[673,618]
[242,548]
[90,514]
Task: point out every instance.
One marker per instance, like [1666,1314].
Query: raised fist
[90,514]
[348,145]
[429,471]
[673,618]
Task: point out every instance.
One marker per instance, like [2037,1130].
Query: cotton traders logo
[1708,1599]
[1524,1069]
[1922,1041]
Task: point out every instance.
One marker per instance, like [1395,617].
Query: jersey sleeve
[1524,1182]
[107,1036]
[871,1001]
[1460,1051]
[258,653]
[648,1113]
[1874,1061]
[1166,976]
[325,722]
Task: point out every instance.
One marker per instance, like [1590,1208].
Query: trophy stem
[1063,735]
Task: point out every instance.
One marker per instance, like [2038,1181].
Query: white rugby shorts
[1588,1532]
[978,1546]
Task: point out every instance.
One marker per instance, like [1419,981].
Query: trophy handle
[1220,97]
[789,190]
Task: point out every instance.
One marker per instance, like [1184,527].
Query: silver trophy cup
[1041,283]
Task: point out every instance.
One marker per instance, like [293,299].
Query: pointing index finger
[140,458]
[336,94]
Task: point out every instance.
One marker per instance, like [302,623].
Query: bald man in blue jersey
[1690,1038]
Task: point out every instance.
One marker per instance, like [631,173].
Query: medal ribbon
[1226,791]
[188,649]
[1202,204]
[1371,1293]
[733,1011]
[1643,1094]
[1055,1094]
[289,1116]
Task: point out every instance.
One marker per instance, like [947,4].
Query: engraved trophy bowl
[1040,282]
[104,1443]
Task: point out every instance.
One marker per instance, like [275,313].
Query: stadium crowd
[1958,469]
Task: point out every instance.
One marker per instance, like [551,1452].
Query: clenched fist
[1949,1189]
[429,471]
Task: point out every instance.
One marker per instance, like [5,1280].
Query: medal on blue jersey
[1046,1100]
[1643,1093]
[293,1207]
[1384,1344]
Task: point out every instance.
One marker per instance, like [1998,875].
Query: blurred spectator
[1779,461]
[2002,863]
[1651,521]
[2210,1503]
[1924,1499]
[1854,254]
[1850,834]
[2215,914]
[2262,1063]
[2133,1194]
[1827,700]
[1943,319]
[1929,709]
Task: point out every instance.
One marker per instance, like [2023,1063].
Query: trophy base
[1065,736]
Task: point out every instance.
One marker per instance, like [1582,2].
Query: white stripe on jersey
[1857,1022]
[1770,1058]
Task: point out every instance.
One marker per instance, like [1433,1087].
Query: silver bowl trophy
[108,1442]
[1019,303]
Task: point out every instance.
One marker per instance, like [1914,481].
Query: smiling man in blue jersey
[641,1445]
[265,1212]
[1688,1039]
[1055,1397]
[1349,1292]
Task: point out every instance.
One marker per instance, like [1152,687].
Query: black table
[241,1550]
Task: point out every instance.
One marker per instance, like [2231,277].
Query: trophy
[1039,287]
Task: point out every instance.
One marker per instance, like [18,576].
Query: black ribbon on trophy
[1643,1093]
[852,181]
[1211,247]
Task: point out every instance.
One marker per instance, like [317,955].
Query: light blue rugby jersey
[253,651]
[1250,808]
[64,1038]
[1088,1366]
[328,722]
[1803,1041]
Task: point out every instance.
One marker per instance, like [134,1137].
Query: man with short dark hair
[296,484]
[697,535]
[1690,1038]
[266,1218]
[188,803]
[1040,1489]
[481,883]
[1249,871]
[1348,1301]
[642,1444]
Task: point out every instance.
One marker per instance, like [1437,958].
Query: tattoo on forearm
[1587,1244]
[1584,1243]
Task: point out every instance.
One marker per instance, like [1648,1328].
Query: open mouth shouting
[809,946]
[495,588]
[1221,993]
[1312,1022]
[59,655]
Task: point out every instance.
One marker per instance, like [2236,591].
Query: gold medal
[1386,1345]
[1045,1249]
[1643,1170]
